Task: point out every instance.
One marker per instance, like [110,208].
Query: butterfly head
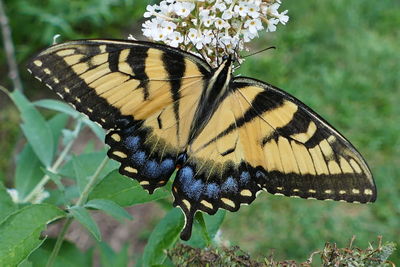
[232,60]
[228,62]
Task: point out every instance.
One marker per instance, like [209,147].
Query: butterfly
[228,137]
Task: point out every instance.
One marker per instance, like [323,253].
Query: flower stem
[82,199]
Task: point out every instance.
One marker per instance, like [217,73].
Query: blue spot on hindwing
[151,169]
[167,166]
[132,143]
[186,173]
[138,158]
[192,187]
[230,185]
[244,178]
[212,191]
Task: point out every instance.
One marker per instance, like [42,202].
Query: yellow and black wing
[256,136]
[261,138]
[144,93]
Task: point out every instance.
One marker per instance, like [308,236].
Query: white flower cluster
[211,28]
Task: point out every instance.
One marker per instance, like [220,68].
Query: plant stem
[9,49]
[92,182]
[56,165]
[82,199]
[59,242]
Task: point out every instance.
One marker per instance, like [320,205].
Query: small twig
[352,241]
[9,49]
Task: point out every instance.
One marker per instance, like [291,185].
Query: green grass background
[342,58]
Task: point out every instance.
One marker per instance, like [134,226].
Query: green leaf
[212,224]
[25,263]
[21,230]
[163,237]
[89,162]
[82,174]
[7,206]
[109,257]
[83,216]
[66,109]
[28,172]
[68,256]
[36,130]
[124,191]
[110,207]
[57,106]
[57,123]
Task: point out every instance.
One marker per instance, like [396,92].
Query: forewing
[144,93]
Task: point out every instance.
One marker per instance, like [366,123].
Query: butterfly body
[230,137]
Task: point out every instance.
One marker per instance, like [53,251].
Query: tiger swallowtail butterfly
[229,137]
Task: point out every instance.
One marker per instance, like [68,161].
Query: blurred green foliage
[342,58]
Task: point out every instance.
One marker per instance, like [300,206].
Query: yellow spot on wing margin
[130,169]
[228,202]
[120,154]
[355,191]
[368,192]
[38,63]
[246,193]
[206,204]
[186,203]
[116,137]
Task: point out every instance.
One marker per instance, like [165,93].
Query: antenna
[262,50]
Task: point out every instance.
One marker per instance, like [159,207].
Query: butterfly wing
[261,138]
[144,93]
